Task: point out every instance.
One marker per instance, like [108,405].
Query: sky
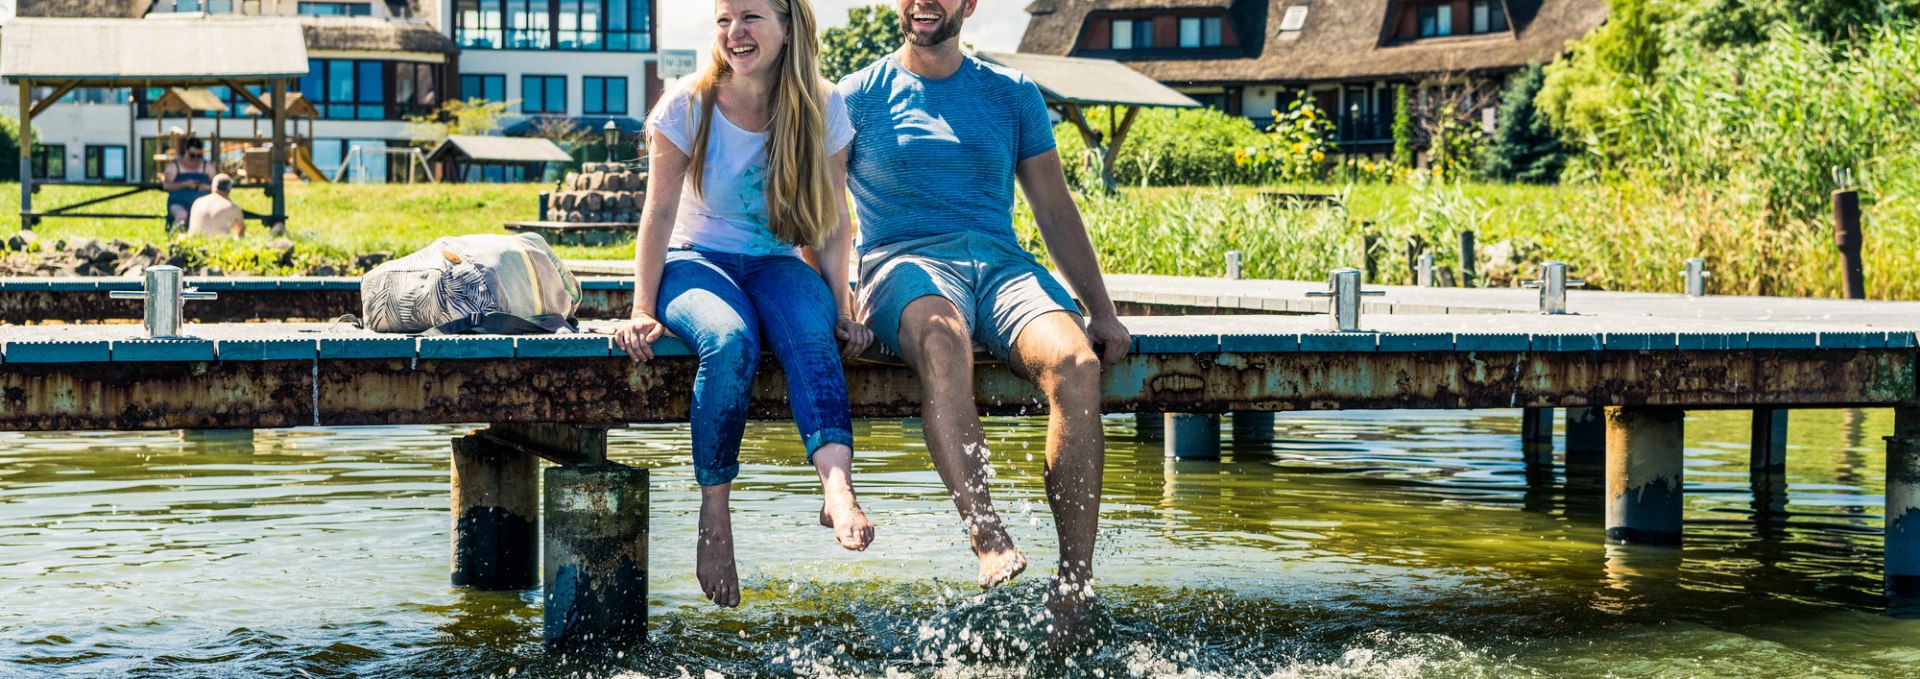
[995,27]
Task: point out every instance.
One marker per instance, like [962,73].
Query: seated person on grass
[215,214]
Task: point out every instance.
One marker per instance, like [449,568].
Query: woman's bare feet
[840,510]
[1067,600]
[713,561]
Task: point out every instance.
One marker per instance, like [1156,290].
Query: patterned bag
[497,284]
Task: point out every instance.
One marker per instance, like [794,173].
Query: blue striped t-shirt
[930,157]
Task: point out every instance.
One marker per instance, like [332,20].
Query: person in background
[215,214]
[185,179]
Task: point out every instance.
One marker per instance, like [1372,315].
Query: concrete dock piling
[1193,436]
[1903,504]
[1586,437]
[595,565]
[1768,450]
[1252,427]
[1149,426]
[1645,456]
[496,538]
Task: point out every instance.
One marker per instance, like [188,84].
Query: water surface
[1358,544]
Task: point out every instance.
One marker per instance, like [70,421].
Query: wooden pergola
[177,52]
[1071,84]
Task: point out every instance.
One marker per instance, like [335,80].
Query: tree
[9,150]
[871,32]
[469,117]
[1524,147]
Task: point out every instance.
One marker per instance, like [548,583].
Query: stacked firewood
[603,192]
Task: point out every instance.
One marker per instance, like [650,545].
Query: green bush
[1524,146]
[9,150]
[1165,147]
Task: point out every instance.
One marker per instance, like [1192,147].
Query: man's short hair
[222,182]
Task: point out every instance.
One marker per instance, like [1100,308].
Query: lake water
[1394,544]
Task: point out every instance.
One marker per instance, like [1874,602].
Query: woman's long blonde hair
[800,206]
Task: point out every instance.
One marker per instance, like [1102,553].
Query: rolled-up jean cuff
[826,436]
[715,477]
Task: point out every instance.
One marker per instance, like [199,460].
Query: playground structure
[184,55]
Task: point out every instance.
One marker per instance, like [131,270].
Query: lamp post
[1353,138]
[610,134]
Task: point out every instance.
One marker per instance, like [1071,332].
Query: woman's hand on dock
[854,336]
[637,335]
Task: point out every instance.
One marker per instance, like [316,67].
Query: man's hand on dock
[1108,337]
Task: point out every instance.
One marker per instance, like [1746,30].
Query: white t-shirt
[731,216]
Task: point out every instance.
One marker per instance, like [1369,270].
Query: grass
[1617,236]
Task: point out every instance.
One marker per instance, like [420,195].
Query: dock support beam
[496,537]
[1536,438]
[1252,427]
[1903,504]
[1768,452]
[1149,426]
[1193,436]
[596,556]
[1645,456]
[1586,437]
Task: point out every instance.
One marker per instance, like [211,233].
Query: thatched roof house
[1324,41]
[359,34]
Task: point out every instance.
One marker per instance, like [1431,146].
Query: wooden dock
[1626,366]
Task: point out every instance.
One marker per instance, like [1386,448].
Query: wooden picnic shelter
[1071,84]
[181,53]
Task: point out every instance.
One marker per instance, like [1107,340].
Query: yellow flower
[1308,113]
[1299,148]
[1318,156]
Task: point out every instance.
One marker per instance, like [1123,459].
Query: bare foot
[1067,603]
[1000,561]
[849,523]
[713,561]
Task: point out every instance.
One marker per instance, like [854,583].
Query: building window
[603,96]
[1132,34]
[1199,32]
[543,94]
[576,25]
[49,161]
[416,88]
[483,86]
[346,89]
[336,9]
[1489,16]
[106,163]
[1436,20]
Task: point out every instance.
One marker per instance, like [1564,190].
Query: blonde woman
[748,174]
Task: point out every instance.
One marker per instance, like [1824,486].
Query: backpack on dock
[509,285]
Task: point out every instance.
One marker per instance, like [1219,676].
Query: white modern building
[372,64]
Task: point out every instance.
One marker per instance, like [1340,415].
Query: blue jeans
[723,305]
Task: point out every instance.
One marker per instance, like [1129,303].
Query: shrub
[1524,146]
[1296,147]
[1164,147]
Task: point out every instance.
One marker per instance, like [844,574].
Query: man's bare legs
[935,343]
[840,509]
[1053,353]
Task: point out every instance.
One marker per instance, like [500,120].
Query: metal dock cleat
[165,298]
[1553,286]
[1344,287]
[1696,274]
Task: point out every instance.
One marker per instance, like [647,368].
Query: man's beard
[949,27]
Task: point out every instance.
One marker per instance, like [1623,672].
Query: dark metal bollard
[1536,438]
[596,556]
[1193,436]
[1468,263]
[1848,237]
[1251,426]
[1903,504]
[496,538]
[1645,457]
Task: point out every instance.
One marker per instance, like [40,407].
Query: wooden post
[1193,436]
[496,511]
[1903,504]
[595,567]
[278,217]
[26,156]
[1252,427]
[1645,457]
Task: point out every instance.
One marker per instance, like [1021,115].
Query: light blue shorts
[997,287]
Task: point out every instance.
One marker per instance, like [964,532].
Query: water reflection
[1354,544]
